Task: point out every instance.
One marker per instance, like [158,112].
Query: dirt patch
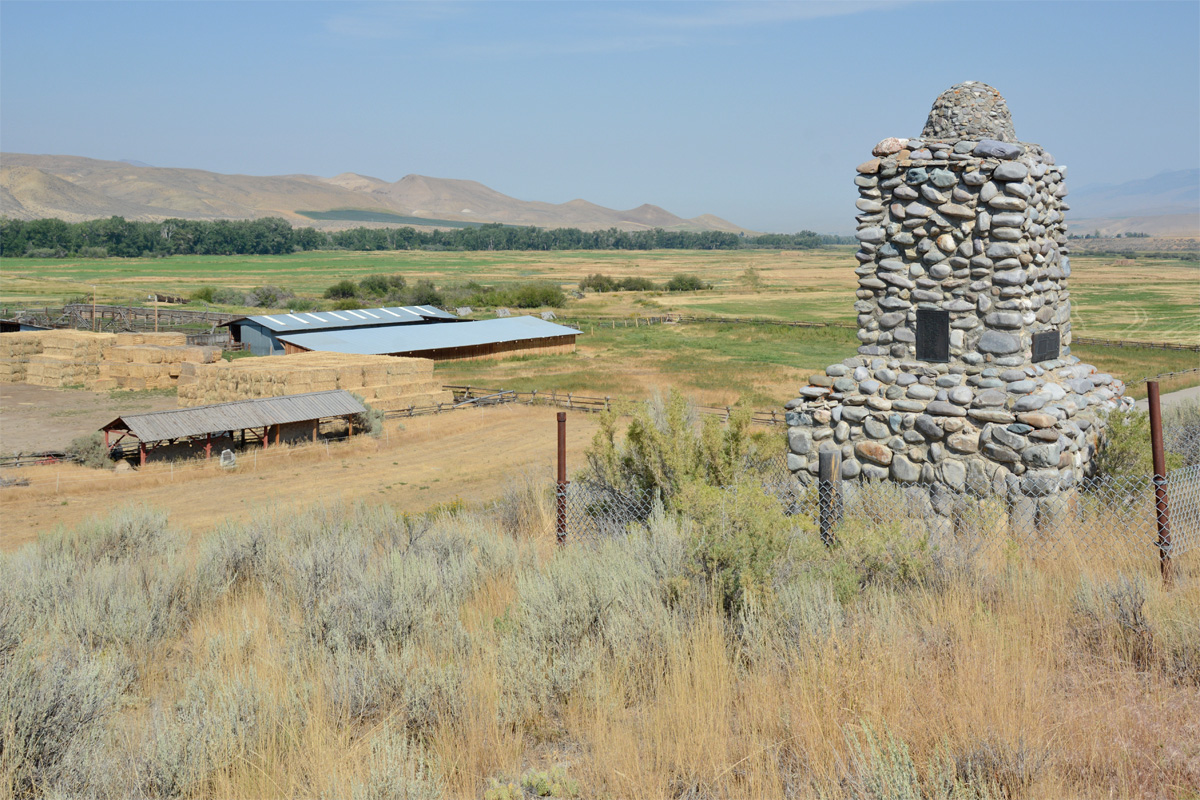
[37,418]
[469,456]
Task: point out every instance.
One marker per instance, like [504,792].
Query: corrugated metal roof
[180,422]
[415,338]
[357,318]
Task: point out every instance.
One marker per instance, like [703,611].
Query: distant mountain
[73,188]
[133,163]
[1166,205]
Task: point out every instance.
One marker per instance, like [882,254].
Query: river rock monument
[964,382]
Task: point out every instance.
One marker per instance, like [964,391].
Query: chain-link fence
[1098,517]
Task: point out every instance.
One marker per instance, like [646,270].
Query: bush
[536,295]
[425,294]
[636,285]
[93,252]
[598,282]
[342,290]
[269,297]
[303,304]
[90,451]
[45,252]
[382,285]
[686,283]
[1125,449]
[204,294]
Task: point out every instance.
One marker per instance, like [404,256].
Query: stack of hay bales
[68,358]
[15,352]
[150,360]
[386,383]
[98,361]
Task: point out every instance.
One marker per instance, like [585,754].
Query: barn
[261,334]
[467,339]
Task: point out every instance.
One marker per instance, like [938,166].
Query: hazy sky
[755,112]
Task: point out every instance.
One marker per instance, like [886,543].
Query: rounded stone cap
[970,110]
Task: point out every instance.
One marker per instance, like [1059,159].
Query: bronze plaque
[933,335]
[1045,346]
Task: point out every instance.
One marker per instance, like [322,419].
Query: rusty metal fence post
[1162,513]
[829,493]
[560,522]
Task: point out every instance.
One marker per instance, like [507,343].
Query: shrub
[424,293]
[342,290]
[347,304]
[1124,448]
[371,422]
[45,252]
[598,282]
[52,714]
[90,451]
[303,304]
[686,283]
[636,285]
[204,294]
[93,252]
[269,297]
[382,285]
[536,295]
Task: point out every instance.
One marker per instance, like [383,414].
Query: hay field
[1112,297]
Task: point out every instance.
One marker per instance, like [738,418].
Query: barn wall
[258,340]
[498,350]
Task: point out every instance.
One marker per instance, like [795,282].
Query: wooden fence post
[829,493]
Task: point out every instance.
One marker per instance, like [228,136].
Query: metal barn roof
[415,338]
[358,318]
[180,422]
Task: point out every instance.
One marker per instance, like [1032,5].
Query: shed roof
[357,318]
[416,338]
[177,423]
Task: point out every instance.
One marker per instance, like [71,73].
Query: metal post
[560,523]
[829,493]
[1162,512]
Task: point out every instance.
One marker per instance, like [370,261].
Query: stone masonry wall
[964,220]
[974,228]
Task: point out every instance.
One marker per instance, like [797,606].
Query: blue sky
[755,112]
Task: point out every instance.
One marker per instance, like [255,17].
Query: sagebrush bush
[54,707]
[90,451]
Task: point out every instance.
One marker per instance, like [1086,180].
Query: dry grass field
[466,457]
[354,651]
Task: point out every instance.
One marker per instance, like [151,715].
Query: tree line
[116,236]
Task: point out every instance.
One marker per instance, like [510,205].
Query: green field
[1111,298]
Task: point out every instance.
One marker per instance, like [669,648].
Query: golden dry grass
[468,456]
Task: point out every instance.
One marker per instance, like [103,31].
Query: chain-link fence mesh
[1104,516]
[1100,516]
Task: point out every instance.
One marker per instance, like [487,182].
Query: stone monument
[964,379]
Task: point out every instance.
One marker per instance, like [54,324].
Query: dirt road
[36,418]
[469,455]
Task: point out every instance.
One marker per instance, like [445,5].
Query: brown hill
[75,188]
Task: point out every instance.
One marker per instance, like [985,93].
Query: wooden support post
[208,446]
[141,453]
[1162,511]
[829,493]
[278,434]
[316,424]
